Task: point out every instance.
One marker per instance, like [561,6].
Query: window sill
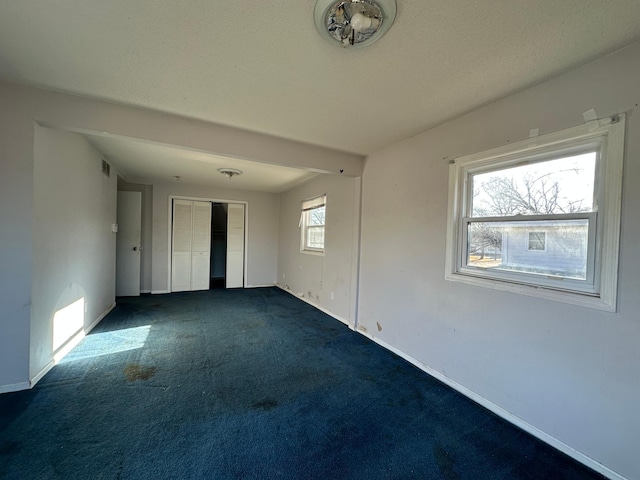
[313,252]
[573,298]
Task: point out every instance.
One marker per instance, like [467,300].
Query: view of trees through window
[504,207]
[315,228]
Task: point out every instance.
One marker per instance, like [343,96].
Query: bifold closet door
[190,245]
[201,246]
[235,246]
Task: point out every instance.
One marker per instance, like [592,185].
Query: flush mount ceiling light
[354,23]
[230,172]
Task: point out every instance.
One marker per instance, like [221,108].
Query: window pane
[506,246]
[316,216]
[315,237]
[563,185]
[537,241]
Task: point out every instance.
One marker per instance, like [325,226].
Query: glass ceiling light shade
[354,23]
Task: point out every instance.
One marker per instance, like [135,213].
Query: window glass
[315,228]
[512,247]
[537,241]
[563,185]
[504,233]
[313,223]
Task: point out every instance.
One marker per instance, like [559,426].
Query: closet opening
[218,259]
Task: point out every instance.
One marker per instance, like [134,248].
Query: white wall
[571,372]
[73,245]
[315,277]
[262,230]
[16,211]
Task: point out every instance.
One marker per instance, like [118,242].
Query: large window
[312,224]
[541,217]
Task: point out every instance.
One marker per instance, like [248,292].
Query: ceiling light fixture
[230,172]
[354,23]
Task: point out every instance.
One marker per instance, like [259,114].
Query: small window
[541,217]
[312,221]
[537,241]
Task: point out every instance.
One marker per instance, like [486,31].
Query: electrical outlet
[284,276]
[331,295]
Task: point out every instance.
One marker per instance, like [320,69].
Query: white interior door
[190,245]
[129,218]
[235,246]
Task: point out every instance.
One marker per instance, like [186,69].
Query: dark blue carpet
[252,384]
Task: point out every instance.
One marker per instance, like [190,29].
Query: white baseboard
[41,373]
[99,319]
[69,345]
[14,387]
[323,310]
[501,412]
[145,291]
[160,292]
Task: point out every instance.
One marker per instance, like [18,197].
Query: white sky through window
[573,176]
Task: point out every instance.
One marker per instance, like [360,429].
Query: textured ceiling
[262,66]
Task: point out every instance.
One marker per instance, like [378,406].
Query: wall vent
[106,168]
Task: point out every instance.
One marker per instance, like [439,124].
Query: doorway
[218,261]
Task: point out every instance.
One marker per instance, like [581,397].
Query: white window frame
[599,291]
[308,206]
[544,245]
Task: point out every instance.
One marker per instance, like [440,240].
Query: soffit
[146,162]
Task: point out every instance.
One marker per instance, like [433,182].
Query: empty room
[330,239]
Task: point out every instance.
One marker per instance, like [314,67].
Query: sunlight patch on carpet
[108,343]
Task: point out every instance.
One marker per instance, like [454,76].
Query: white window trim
[608,179]
[541,250]
[309,204]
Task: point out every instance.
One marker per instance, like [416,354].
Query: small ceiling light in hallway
[230,172]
